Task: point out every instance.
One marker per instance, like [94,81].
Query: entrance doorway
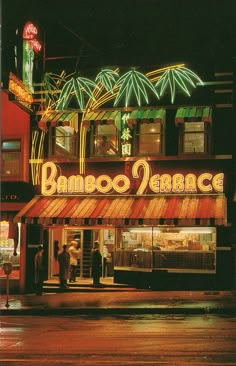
[85,238]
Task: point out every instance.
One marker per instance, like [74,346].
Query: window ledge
[135,158]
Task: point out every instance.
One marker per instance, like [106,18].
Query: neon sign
[29,34]
[30,31]
[126,136]
[53,183]
[30,46]
[17,88]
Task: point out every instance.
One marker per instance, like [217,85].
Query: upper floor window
[63,141]
[148,138]
[195,129]
[11,157]
[105,140]
[195,137]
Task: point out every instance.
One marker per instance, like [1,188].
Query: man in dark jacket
[64,260]
[39,271]
[96,264]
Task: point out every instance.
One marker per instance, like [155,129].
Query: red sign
[29,33]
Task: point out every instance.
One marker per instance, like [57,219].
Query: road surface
[118,340]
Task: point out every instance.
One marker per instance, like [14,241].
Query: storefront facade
[154,185]
[158,227]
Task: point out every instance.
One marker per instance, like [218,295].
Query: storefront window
[11,158]
[105,140]
[134,248]
[9,249]
[148,138]
[168,248]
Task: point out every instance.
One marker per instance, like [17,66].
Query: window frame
[93,149]
[56,150]
[206,132]
[22,170]
[159,134]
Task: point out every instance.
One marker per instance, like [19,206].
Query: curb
[42,311]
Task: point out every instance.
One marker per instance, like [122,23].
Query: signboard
[16,87]
[141,177]
[30,46]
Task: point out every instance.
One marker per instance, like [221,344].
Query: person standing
[74,256]
[105,255]
[39,271]
[96,264]
[64,260]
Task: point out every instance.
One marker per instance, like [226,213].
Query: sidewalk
[82,298]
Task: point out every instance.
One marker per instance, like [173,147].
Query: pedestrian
[96,264]
[74,253]
[105,255]
[39,271]
[64,260]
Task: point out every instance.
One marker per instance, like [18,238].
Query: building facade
[152,180]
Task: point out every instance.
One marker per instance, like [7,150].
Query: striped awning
[125,210]
[193,114]
[59,118]
[98,117]
[148,115]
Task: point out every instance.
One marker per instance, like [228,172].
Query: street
[118,340]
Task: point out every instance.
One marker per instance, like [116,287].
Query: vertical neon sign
[30,46]
[125,136]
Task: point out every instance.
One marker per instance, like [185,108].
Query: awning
[125,210]
[59,118]
[98,117]
[193,114]
[148,115]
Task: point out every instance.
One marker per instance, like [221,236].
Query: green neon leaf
[83,86]
[134,82]
[52,83]
[65,95]
[180,78]
[181,84]
[107,78]
[172,85]
[191,74]
[164,83]
[79,87]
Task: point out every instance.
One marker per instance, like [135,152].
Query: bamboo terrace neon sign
[53,183]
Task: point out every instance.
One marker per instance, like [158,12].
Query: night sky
[91,34]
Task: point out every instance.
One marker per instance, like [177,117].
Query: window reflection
[195,137]
[105,140]
[180,248]
[10,248]
[149,138]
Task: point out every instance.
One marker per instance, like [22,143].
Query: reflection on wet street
[118,340]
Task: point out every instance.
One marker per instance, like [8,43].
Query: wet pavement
[83,298]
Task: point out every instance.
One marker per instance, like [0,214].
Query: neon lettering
[53,183]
